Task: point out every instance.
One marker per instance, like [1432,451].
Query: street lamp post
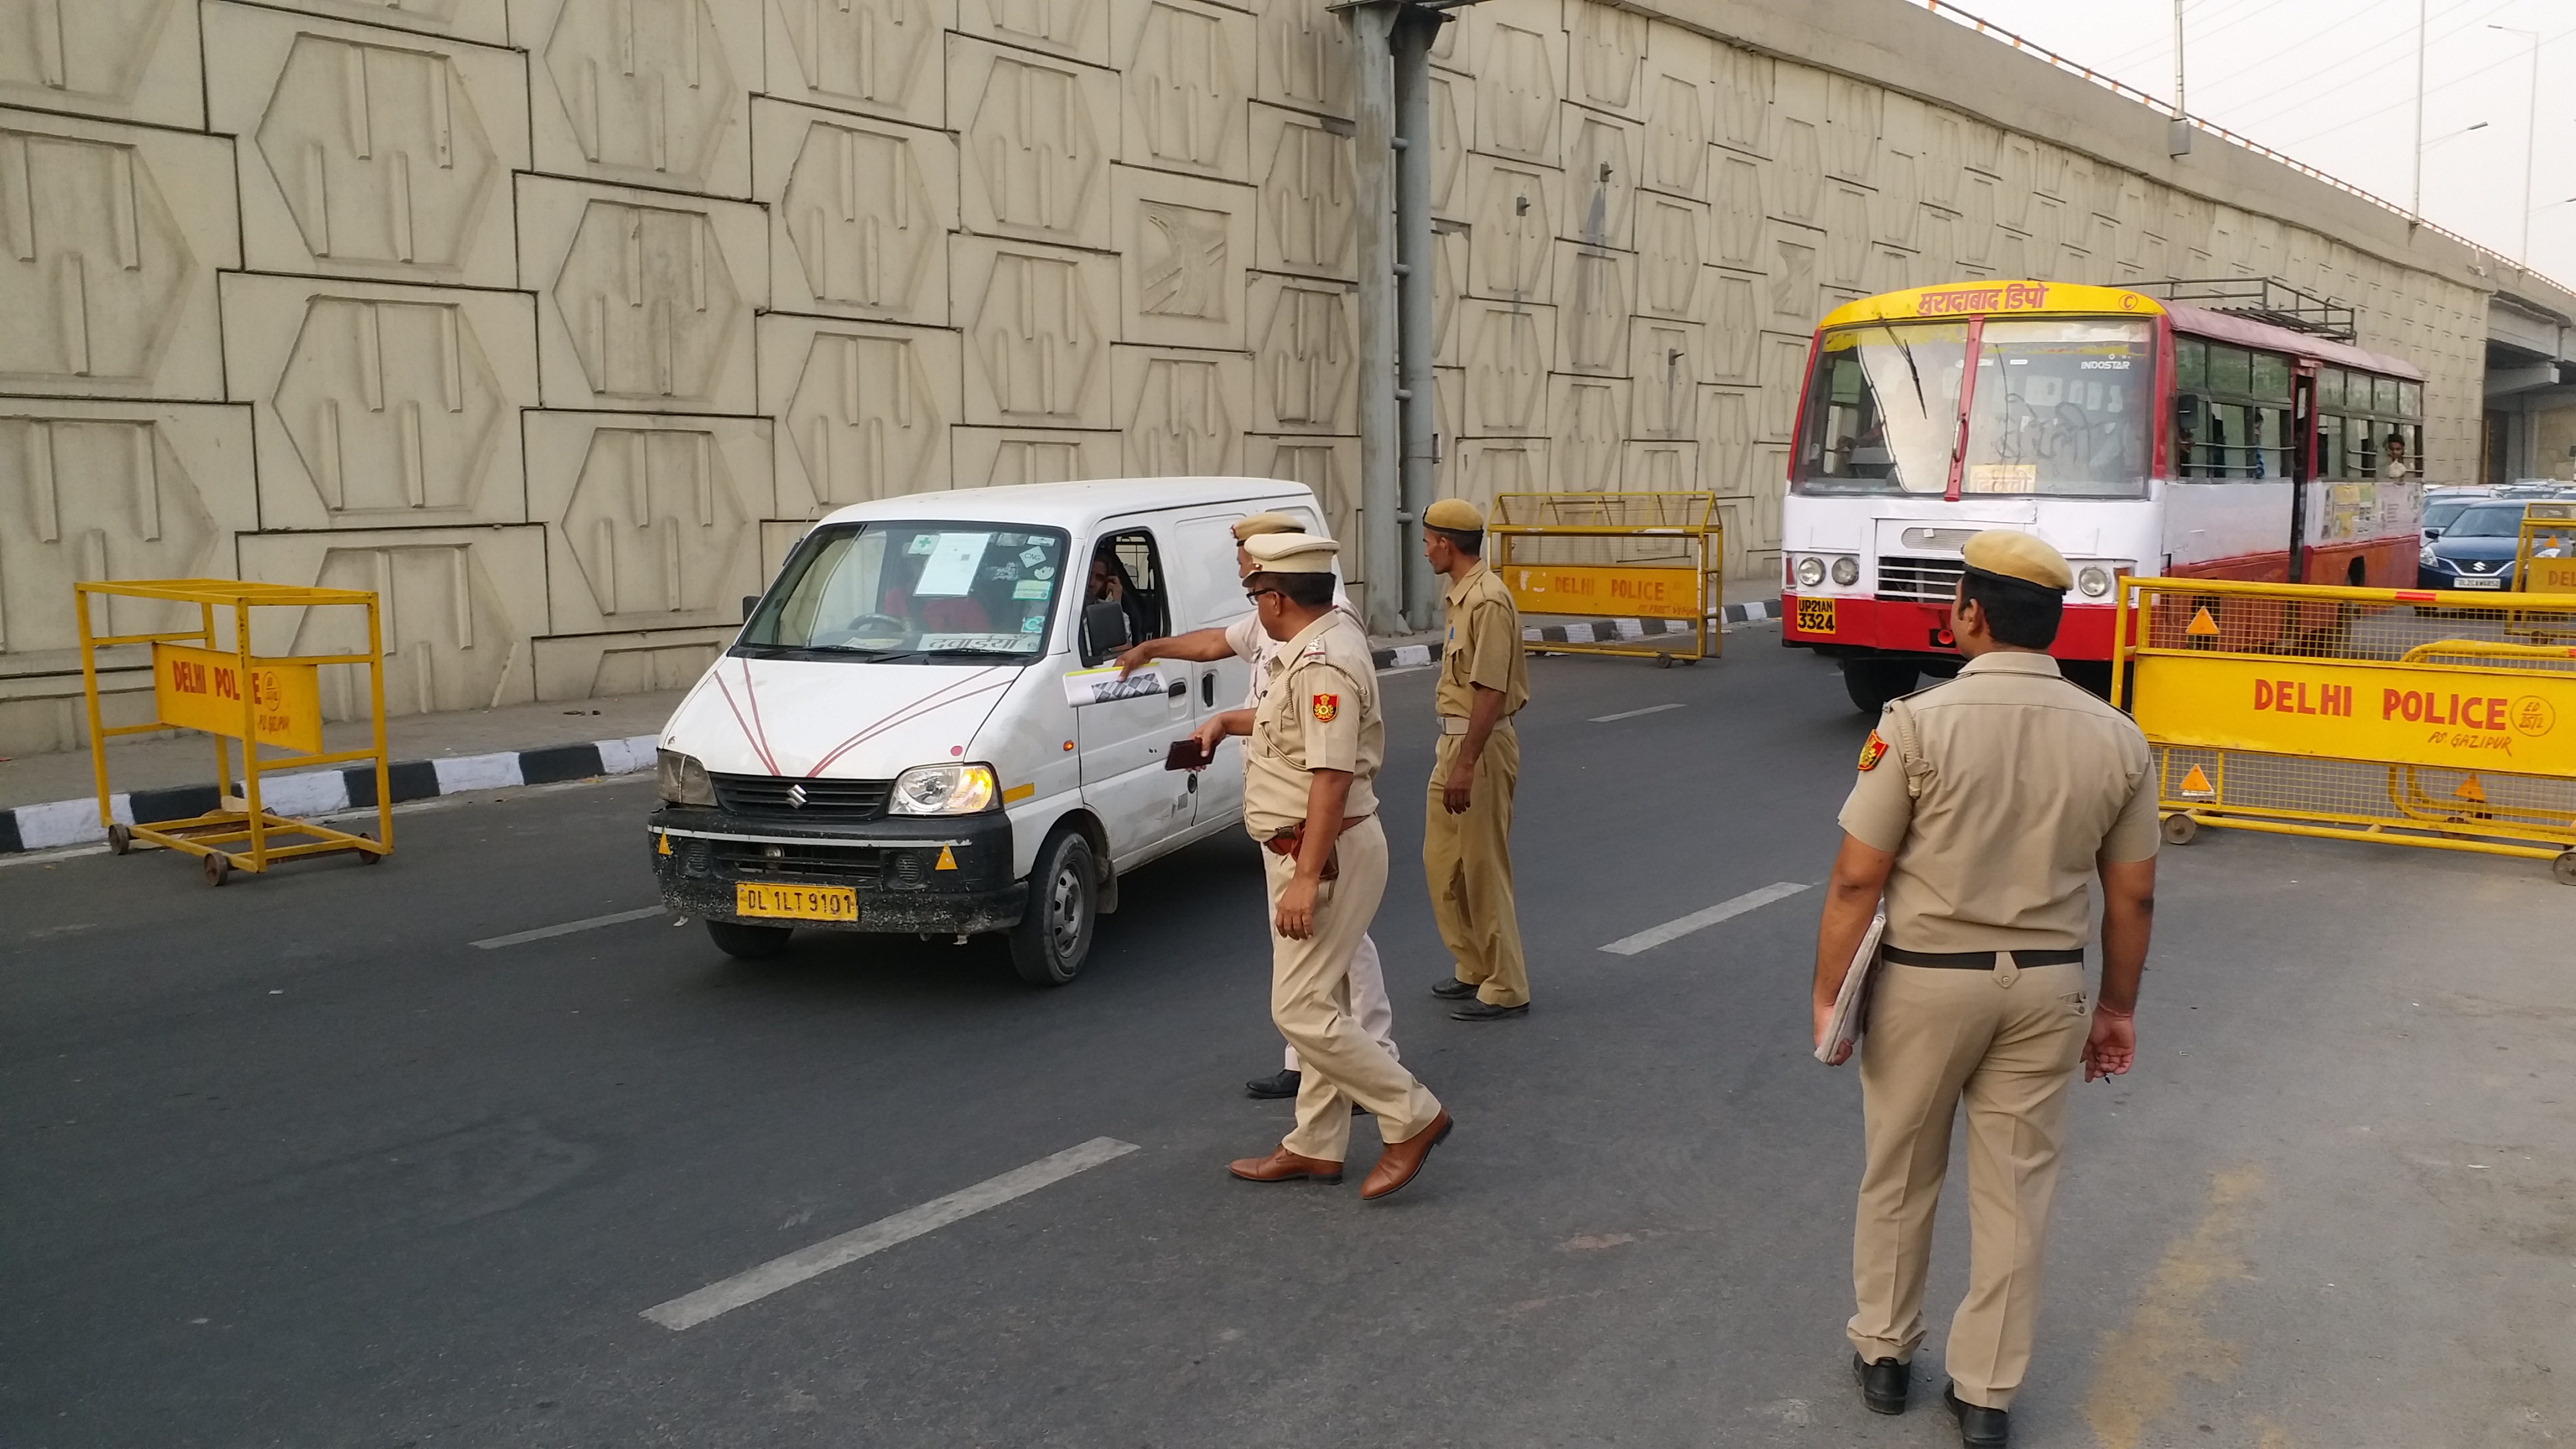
[2530,136]
[2415,211]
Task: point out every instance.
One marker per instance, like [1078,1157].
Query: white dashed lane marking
[1631,713]
[590,923]
[1674,930]
[750,1286]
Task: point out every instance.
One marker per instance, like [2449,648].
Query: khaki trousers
[1368,1001]
[1310,1001]
[2005,1043]
[1468,860]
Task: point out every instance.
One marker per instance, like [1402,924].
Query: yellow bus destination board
[200,689]
[2522,721]
[1604,589]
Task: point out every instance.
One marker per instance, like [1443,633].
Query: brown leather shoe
[1285,1166]
[1401,1160]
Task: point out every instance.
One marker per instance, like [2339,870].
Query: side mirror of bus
[2187,412]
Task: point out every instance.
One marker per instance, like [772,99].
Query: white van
[887,746]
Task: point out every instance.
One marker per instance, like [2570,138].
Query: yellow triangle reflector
[2471,790]
[2195,783]
[2202,626]
[947,859]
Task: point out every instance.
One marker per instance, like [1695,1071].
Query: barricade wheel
[2180,829]
[368,857]
[119,840]
[2564,867]
[219,867]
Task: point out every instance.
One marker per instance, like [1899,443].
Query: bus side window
[2361,449]
[2330,462]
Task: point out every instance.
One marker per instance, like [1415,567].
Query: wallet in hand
[1188,755]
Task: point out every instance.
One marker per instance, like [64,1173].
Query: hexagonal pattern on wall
[644,83]
[860,217]
[654,525]
[379,152]
[391,405]
[100,263]
[651,304]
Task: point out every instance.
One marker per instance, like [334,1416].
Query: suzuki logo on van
[796,796]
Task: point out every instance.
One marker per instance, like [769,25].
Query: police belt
[1456,724]
[1291,842]
[1982,960]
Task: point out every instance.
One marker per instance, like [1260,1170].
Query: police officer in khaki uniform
[1467,823]
[1310,798]
[1983,806]
[1245,639]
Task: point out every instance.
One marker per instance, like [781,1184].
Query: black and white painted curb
[325,792]
[1590,631]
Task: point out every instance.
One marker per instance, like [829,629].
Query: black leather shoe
[1979,1426]
[1454,989]
[1271,1088]
[1883,1384]
[1487,1011]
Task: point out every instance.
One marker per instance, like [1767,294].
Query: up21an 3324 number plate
[1815,616]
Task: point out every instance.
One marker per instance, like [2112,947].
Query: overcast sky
[2332,83]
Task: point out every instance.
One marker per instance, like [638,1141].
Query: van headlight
[943,790]
[682,779]
[1846,570]
[1811,572]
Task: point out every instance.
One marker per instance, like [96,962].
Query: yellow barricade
[1655,558]
[2441,719]
[240,697]
[2544,556]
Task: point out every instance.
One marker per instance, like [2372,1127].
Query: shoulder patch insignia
[1872,751]
[1327,707]
[1315,650]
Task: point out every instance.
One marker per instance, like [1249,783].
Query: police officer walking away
[1310,798]
[1983,805]
[1245,639]
[1467,824]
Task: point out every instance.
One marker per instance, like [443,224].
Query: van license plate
[796,903]
[1815,616]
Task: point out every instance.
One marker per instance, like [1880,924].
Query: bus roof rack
[2265,299]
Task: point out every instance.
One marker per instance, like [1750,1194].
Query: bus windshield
[912,593]
[2062,406]
[1882,409]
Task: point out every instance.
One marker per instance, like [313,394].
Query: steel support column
[1382,527]
[1416,395]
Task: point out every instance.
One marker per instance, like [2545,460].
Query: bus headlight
[943,790]
[1811,572]
[2093,580]
[1846,571]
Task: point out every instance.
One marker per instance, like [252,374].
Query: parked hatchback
[2475,551]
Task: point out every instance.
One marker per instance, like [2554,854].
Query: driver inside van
[1109,581]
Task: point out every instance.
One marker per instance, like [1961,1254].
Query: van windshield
[911,593]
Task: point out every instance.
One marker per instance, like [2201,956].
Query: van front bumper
[938,875]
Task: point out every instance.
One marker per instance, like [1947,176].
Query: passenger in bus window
[2395,454]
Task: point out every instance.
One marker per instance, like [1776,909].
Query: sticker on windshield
[1013,643]
[1033,555]
[1033,624]
[1046,572]
[1031,589]
[950,569]
[922,543]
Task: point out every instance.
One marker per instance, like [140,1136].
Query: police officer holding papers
[1245,639]
[1467,823]
[1310,798]
[1982,808]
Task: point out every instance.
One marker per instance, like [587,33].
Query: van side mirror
[2187,412]
[1104,630]
[749,603]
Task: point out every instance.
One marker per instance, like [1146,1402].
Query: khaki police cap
[1292,553]
[1261,523]
[2009,554]
[1454,513]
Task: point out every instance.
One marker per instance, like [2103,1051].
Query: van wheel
[1053,937]
[748,943]
[1871,683]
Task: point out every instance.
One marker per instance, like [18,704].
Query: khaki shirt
[1320,712]
[1249,640]
[1483,646]
[1998,792]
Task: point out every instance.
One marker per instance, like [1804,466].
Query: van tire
[1053,937]
[748,943]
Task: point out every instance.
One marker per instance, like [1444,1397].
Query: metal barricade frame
[2555,572]
[2411,716]
[1687,524]
[242,818]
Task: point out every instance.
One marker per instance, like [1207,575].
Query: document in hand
[1851,1004]
[1105,686]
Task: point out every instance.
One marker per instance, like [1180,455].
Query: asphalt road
[293,1163]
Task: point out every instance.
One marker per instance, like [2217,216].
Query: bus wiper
[1920,401]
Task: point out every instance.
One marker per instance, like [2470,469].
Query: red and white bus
[2138,436]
